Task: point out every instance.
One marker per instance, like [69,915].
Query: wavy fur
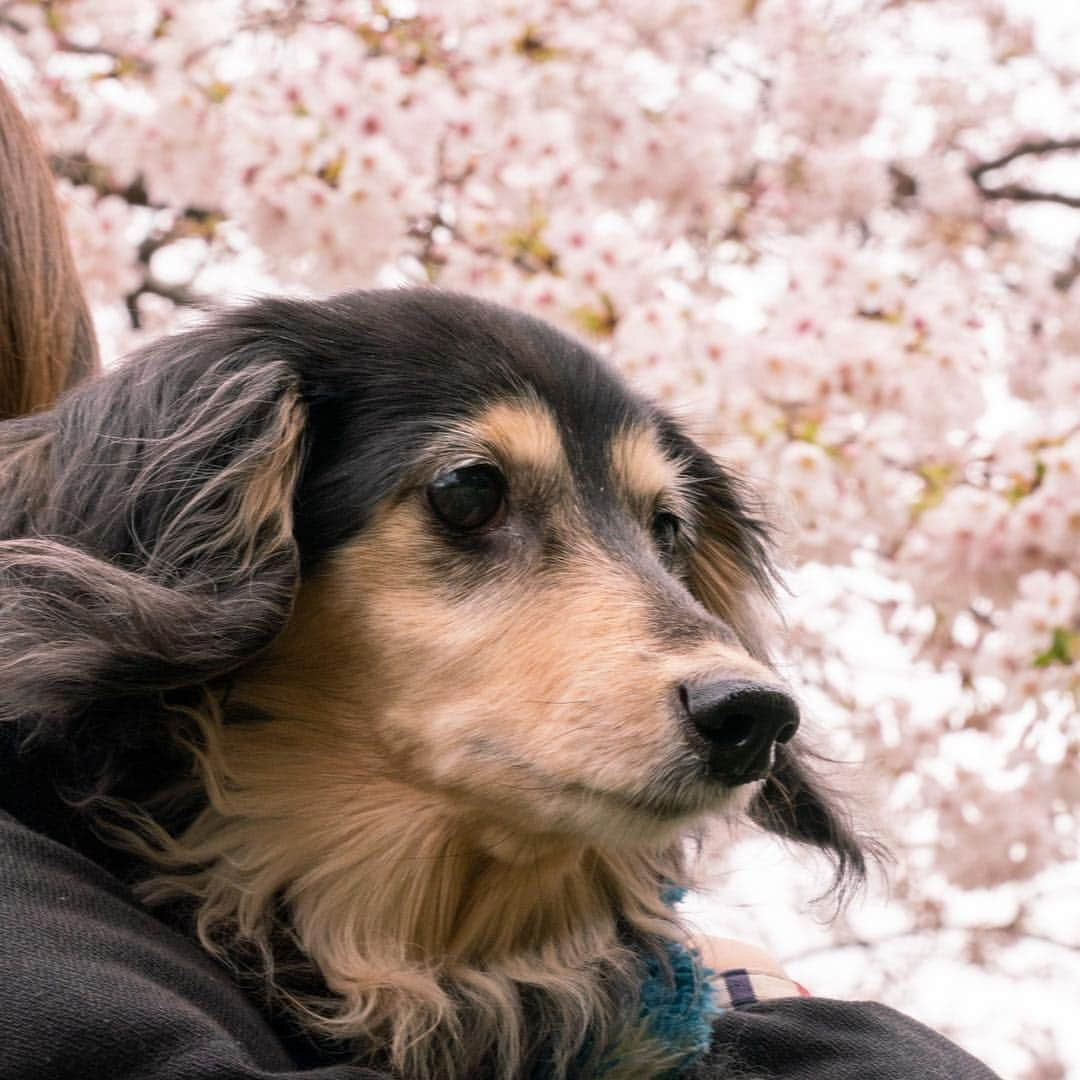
[156,544]
[456,963]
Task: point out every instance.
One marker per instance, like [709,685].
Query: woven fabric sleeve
[94,988]
[807,1038]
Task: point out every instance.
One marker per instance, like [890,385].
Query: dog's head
[443,529]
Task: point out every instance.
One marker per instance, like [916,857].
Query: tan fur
[265,513]
[646,473]
[427,940]
[521,433]
[726,591]
[261,520]
[24,457]
[554,690]
[459,798]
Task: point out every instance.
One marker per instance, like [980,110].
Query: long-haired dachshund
[403,646]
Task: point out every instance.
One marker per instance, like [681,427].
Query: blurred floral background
[838,237]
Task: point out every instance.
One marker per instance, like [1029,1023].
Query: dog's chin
[655,812]
[696,797]
[677,794]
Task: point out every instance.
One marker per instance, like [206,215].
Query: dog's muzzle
[738,723]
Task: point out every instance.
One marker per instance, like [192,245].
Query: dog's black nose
[741,721]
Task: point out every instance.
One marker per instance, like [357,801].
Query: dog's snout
[741,722]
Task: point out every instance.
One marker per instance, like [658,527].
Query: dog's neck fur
[432,931]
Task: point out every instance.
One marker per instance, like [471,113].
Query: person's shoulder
[55,901]
[32,866]
[95,986]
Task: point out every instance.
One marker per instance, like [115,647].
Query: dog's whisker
[567,701]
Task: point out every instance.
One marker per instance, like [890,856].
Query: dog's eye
[665,534]
[468,498]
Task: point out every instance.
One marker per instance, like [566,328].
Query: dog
[399,646]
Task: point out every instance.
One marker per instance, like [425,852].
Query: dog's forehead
[542,399]
[432,358]
[402,369]
[528,435]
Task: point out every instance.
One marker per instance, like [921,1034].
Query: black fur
[795,804]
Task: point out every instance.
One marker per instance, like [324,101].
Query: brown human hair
[47,339]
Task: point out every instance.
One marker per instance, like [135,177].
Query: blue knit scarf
[676,1008]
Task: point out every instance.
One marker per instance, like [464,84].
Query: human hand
[766,979]
[725,954]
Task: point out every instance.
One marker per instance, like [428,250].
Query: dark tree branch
[1024,149]
[1009,931]
[180,295]
[188,222]
[124,63]
[1020,192]
[191,222]
[1063,280]
[12,23]
[81,170]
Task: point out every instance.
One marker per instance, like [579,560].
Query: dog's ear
[731,569]
[148,530]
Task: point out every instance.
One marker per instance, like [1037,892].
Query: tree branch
[82,170]
[190,221]
[1024,149]
[903,935]
[180,295]
[12,23]
[123,62]
[1020,192]
[1063,279]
